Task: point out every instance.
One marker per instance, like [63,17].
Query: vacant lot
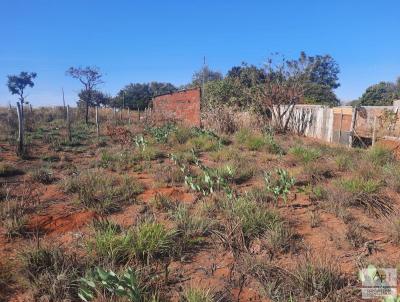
[168,213]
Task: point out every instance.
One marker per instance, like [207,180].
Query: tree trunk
[87,113]
[20,148]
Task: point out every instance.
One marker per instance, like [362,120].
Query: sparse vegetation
[52,273]
[102,192]
[197,295]
[143,203]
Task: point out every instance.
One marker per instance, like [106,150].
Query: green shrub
[151,240]
[344,162]
[242,135]
[360,185]
[182,134]
[380,155]
[203,143]
[305,154]
[191,225]
[252,141]
[197,295]
[255,143]
[254,219]
[110,243]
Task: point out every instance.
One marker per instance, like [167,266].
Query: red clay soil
[59,219]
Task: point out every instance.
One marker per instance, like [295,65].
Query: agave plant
[279,186]
[140,142]
[126,285]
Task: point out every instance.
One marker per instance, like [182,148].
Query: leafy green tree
[319,76]
[319,94]
[381,94]
[231,89]
[322,70]
[93,98]
[138,95]
[205,74]
[90,77]
[321,79]
[18,83]
[246,74]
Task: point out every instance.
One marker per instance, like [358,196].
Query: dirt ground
[321,227]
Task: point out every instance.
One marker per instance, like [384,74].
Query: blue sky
[141,41]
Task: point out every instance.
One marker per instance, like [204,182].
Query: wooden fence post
[374,131]
[20,147]
[68,125]
[129,116]
[353,126]
[65,109]
[340,125]
[97,122]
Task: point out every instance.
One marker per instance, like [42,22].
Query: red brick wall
[182,106]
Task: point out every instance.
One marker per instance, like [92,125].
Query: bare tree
[281,89]
[90,77]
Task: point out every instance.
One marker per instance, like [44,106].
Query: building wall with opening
[181,106]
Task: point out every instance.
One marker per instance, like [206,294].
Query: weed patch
[305,154]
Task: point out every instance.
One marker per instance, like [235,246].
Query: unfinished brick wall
[182,106]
